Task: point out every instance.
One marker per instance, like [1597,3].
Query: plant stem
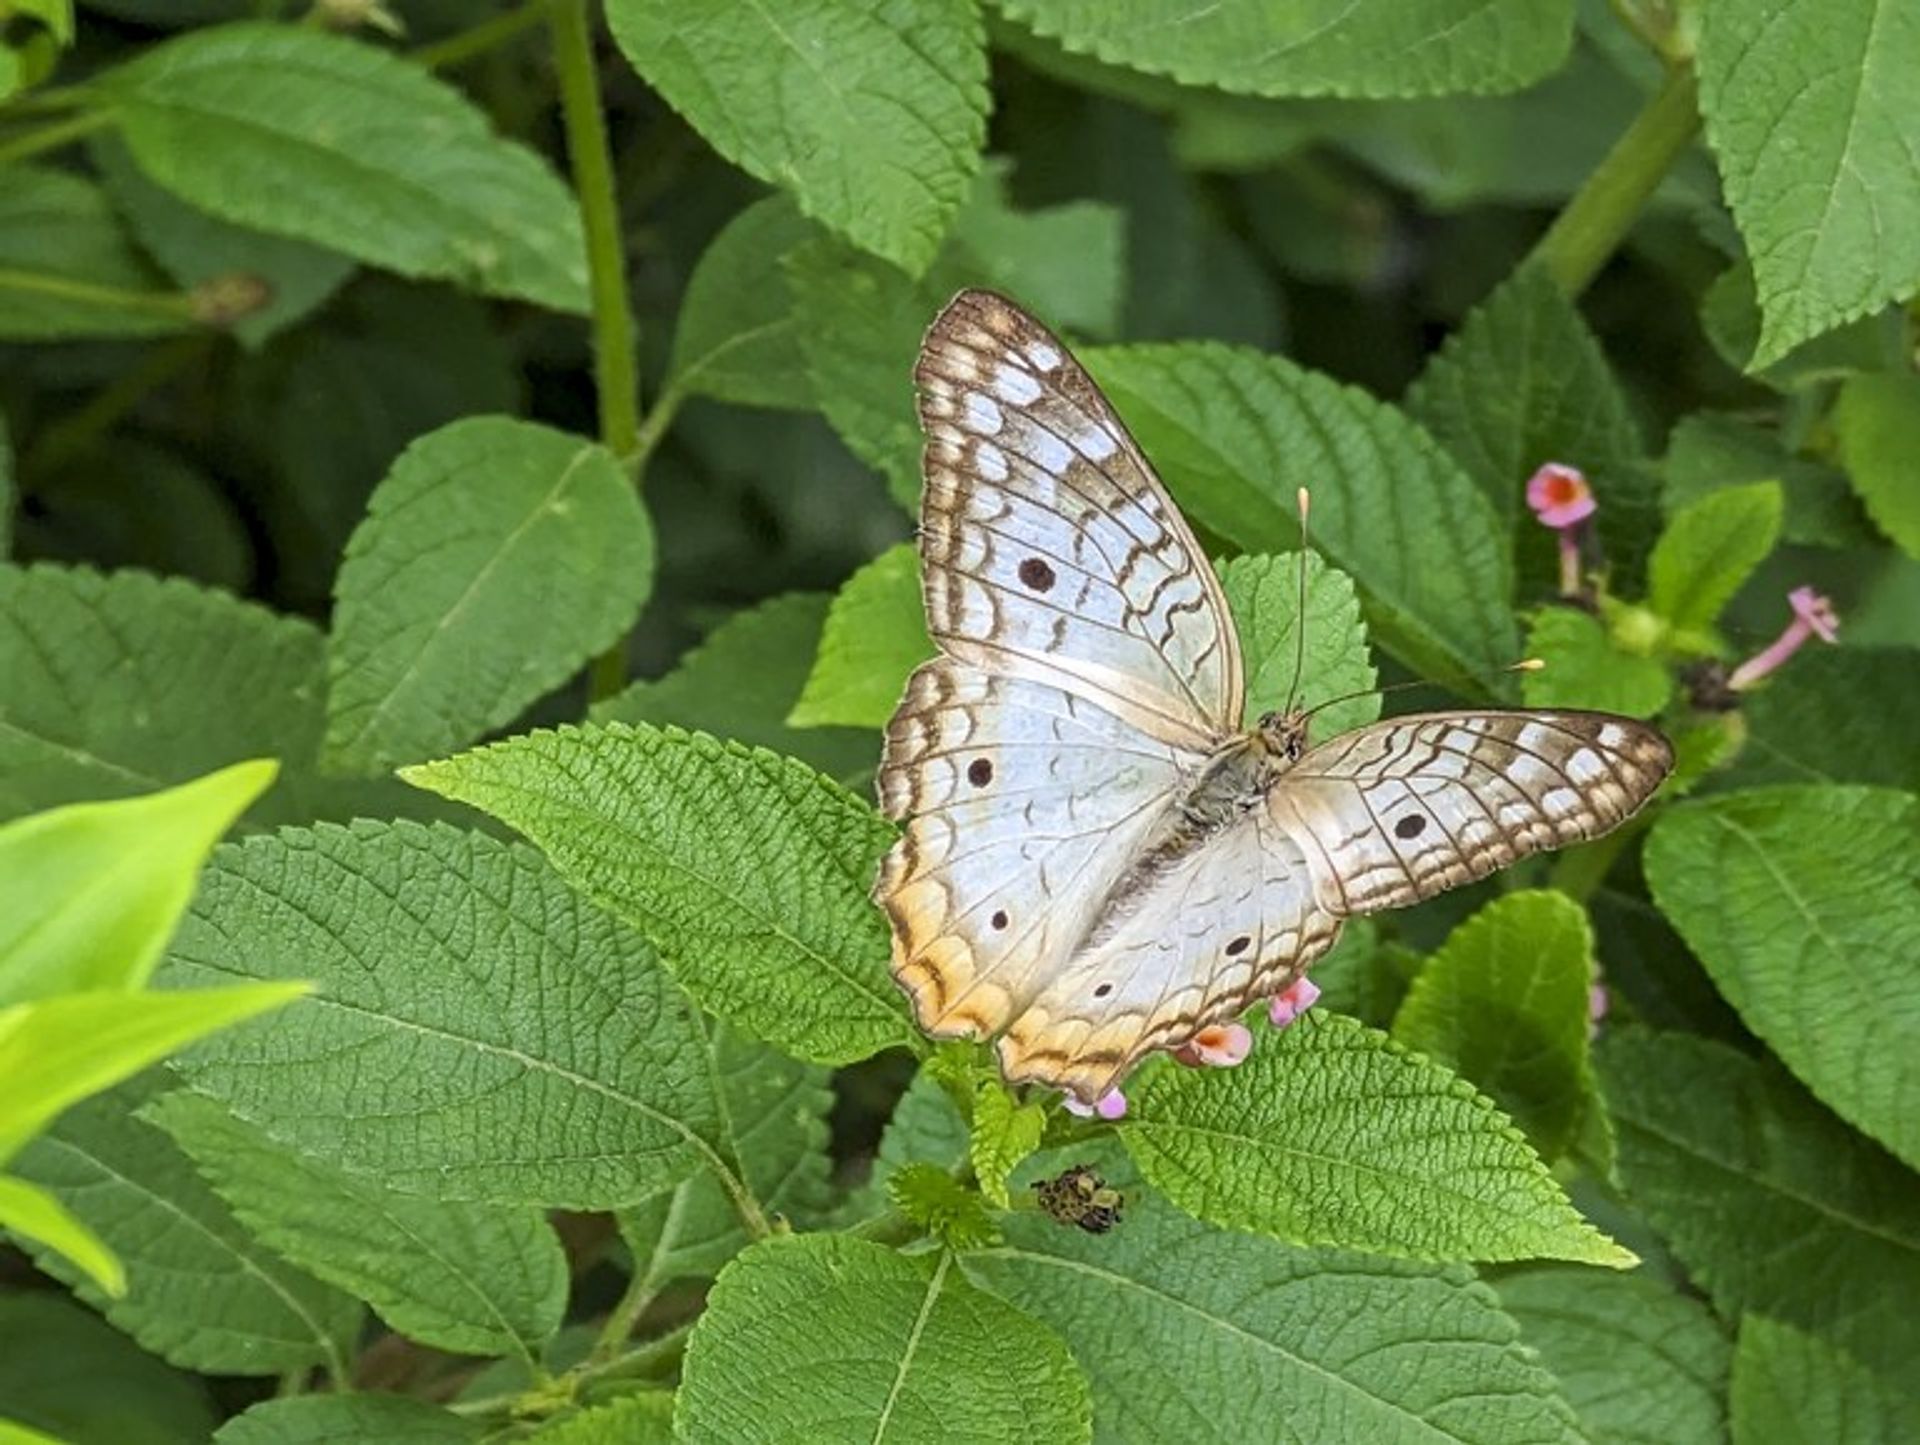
[468,44]
[1579,872]
[54,135]
[616,375]
[173,305]
[69,436]
[1604,209]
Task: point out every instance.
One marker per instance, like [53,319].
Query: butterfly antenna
[1526,664]
[1300,613]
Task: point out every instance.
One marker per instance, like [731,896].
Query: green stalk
[1604,209]
[174,305]
[53,136]
[478,40]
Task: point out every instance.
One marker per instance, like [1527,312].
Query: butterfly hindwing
[1403,809]
[1048,547]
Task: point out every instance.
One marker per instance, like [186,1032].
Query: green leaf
[1771,1203]
[31,1213]
[1792,1388]
[1877,419]
[1832,221]
[925,1127]
[202,1293]
[910,1350]
[775,1112]
[8,489]
[337,1419]
[195,247]
[736,339]
[1799,901]
[641,1419]
[90,893]
[54,1356]
[930,1198]
[1709,451]
[1637,1360]
[1263,593]
[1235,432]
[497,557]
[394,167]
[1584,668]
[876,634]
[743,680]
[1369,48]
[1183,1328]
[469,1278]
[1523,382]
[67,268]
[1840,715]
[1332,1134]
[748,871]
[1708,550]
[1504,1003]
[1004,1133]
[55,1052]
[543,1057]
[872,117]
[861,321]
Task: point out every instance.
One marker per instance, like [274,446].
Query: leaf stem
[54,135]
[70,435]
[173,305]
[479,39]
[1603,210]
[1579,872]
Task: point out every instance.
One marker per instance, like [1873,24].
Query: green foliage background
[500,415]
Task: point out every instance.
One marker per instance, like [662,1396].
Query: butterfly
[1098,860]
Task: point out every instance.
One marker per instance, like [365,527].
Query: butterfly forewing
[1048,547]
[1398,811]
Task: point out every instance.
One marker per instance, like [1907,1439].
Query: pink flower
[1292,1001]
[1219,1046]
[1813,616]
[1597,1005]
[1560,496]
[1112,1105]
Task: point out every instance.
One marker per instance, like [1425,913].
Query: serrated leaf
[1771,1203]
[202,1293]
[1370,48]
[1832,221]
[931,1198]
[1234,433]
[1793,1388]
[924,1127]
[1504,1003]
[32,1214]
[1731,317]
[875,635]
[1331,1134]
[870,115]
[56,1051]
[195,247]
[1263,593]
[748,871]
[542,1056]
[911,1349]
[1004,1133]
[1638,1361]
[89,893]
[1840,715]
[497,557]
[1877,420]
[1524,382]
[55,1353]
[394,167]
[860,321]
[735,339]
[1708,550]
[473,1279]
[66,266]
[1183,1328]
[336,1419]
[1584,668]
[743,680]
[1799,901]
[1709,451]
[645,1418]
[776,1126]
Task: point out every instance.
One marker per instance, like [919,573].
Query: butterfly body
[1099,857]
